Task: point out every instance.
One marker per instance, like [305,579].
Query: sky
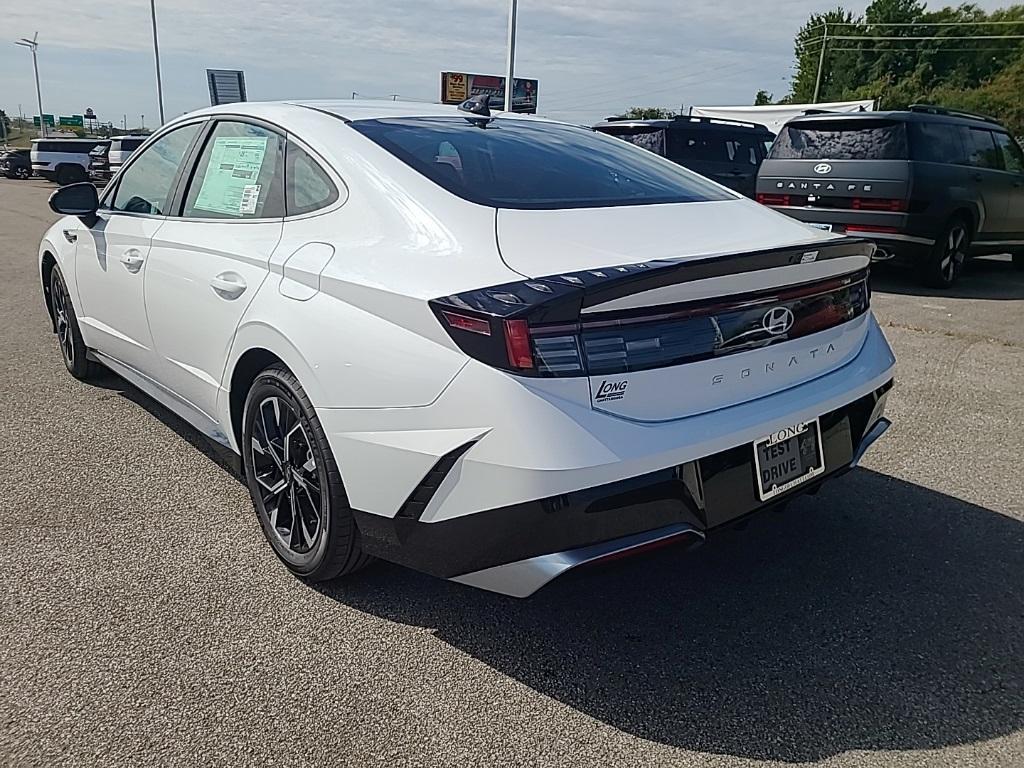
[593,58]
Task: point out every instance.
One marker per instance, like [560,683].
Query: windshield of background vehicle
[516,163]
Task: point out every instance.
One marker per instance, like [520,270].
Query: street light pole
[821,63]
[156,55]
[32,45]
[511,54]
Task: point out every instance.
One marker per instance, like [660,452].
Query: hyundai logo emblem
[823,168]
[777,320]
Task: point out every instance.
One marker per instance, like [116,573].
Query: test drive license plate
[787,458]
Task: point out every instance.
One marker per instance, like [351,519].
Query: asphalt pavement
[145,622]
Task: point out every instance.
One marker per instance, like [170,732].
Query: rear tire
[294,481]
[946,260]
[69,336]
[21,173]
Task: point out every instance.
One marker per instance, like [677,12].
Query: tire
[946,260]
[70,174]
[69,335]
[289,466]
[21,173]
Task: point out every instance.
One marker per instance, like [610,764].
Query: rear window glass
[516,163]
[842,140]
[650,138]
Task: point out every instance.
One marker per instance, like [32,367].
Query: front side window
[982,151]
[1013,158]
[519,163]
[147,184]
[842,140]
[240,174]
[308,187]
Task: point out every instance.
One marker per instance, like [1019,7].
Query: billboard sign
[456,87]
[72,121]
[48,119]
[227,86]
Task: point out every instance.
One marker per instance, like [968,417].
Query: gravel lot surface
[146,622]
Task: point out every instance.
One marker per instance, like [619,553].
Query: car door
[110,261]
[208,263]
[988,180]
[1013,165]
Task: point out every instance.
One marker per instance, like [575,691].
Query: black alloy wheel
[69,336]
[948,255]
[294,481]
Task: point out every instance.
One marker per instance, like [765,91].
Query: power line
[926,50]
[918,23]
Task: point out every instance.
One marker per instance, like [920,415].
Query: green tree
[762,98]
[648,113]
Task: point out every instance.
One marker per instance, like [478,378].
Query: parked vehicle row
[15,163]
[489,347]
[70,160]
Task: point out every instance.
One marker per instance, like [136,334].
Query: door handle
[132,260]
[228,285]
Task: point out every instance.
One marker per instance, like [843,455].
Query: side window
[308,187]
[146,185]
[937,143]
[981,148]
[240,174]
[1013,158]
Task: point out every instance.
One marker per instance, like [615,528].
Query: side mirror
[80,199]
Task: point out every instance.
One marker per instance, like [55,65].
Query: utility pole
[156,55]
[32,45]
[821,62]
[509,69]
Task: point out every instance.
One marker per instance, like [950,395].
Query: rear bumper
[518,548]
[899,233]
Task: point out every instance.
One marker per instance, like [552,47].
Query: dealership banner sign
[456,87]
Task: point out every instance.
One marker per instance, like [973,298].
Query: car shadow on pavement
[879,615]
[990,277]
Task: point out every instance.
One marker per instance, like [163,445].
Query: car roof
[351,109]
[901,115]
[69,139]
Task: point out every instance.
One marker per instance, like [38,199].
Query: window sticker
[229,185]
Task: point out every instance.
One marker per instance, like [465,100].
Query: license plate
[787,458]
[826,227]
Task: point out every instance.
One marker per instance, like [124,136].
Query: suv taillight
[878,204]
[766,199]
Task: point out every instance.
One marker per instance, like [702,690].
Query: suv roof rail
[931,109]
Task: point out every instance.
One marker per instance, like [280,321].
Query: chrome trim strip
[524,577]
[869,439]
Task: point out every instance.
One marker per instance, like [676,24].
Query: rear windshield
[516,163]
[842,140]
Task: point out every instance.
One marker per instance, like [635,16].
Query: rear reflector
[471,324]
[871,228]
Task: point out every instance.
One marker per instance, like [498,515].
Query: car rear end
[849,174]
[650,370]
[99,163]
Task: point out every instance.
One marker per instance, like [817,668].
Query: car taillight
[878,204]
[766,199]
[517,344]
[871,228]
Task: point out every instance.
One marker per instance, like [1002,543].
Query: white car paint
[341,297]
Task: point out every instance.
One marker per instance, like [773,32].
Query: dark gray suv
[929,185]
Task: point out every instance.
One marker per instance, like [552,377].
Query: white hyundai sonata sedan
[489,347]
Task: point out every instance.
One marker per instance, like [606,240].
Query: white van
[64,161]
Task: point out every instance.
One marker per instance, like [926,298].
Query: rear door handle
[228,285]
[132,260]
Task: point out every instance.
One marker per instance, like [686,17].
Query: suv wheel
[69,336]
[294,481]
[21,172]
[948,254]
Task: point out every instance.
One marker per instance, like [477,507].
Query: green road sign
[74,121]
[47,118]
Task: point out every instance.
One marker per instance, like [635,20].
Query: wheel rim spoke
[286,471]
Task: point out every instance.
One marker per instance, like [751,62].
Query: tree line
[971,59]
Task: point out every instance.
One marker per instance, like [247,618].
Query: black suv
[929,185]
[726,151]
[15,163]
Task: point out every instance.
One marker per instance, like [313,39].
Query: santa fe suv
[489,347]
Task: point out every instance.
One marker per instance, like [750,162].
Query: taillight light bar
[878,204]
